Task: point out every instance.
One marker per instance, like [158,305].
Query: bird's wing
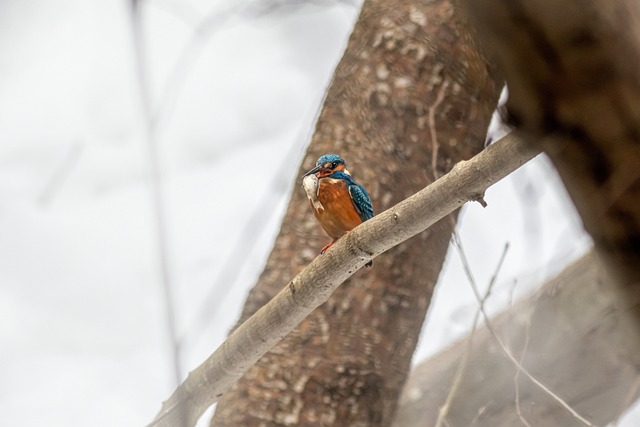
[361,201]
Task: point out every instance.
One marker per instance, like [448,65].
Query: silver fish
[310,184]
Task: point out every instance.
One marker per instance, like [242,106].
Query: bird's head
[328,164]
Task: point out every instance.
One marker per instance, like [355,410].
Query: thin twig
[462,366]
[61,173]
[187,57]
[236,259]
[516,377]
[435,146]
[263,7]
[512,291]
[181,10]
[481,411]
[504,348]
[460,371]
[157,191]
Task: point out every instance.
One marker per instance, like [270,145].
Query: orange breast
[339,214]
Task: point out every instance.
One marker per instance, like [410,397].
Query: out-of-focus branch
[578,343]
[187,57]
[313,286]
[462,365]
[572,71]
[262,7]
[503,346]
[157,195]
[236,258]
[203,30]
[61,173]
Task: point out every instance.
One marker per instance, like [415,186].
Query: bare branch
[61,173]
[462,366]
[313,286]
[503,346]
[580,343]
[572,72]
[374,113]
[222,284]
[157,195]
[188,56]
[203,30]
[516,378]
[182,11]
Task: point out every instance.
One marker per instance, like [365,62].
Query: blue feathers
[359,195]
[361,201]
[330,201]
[329,158]
[334,165]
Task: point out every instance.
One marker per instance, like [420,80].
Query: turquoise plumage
[338,201]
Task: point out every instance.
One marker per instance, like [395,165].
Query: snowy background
[82,320]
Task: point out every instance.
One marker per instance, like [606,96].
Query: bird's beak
[314,170]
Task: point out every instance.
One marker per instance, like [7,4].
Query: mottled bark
[572,70]
[345,364]
[312,287]
[573,336]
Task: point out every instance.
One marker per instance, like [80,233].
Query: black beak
[314,170]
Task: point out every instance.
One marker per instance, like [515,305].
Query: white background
[82,321]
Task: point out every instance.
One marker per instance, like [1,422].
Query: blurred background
[217,87]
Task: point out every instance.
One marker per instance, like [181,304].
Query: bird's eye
[334,165]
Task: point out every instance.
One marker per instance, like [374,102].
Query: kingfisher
[338,202]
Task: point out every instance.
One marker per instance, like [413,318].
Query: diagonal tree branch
[313,286]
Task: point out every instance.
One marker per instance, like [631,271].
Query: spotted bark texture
[410,72]
[572,335]
[572,70]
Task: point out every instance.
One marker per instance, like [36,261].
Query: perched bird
[338,202]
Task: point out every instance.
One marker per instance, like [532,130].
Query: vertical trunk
[409,73]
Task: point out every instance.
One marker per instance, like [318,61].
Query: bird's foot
[327,246]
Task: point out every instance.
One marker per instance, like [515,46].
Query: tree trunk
[576,340]
[572,71]
[409,73]
[316,283]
